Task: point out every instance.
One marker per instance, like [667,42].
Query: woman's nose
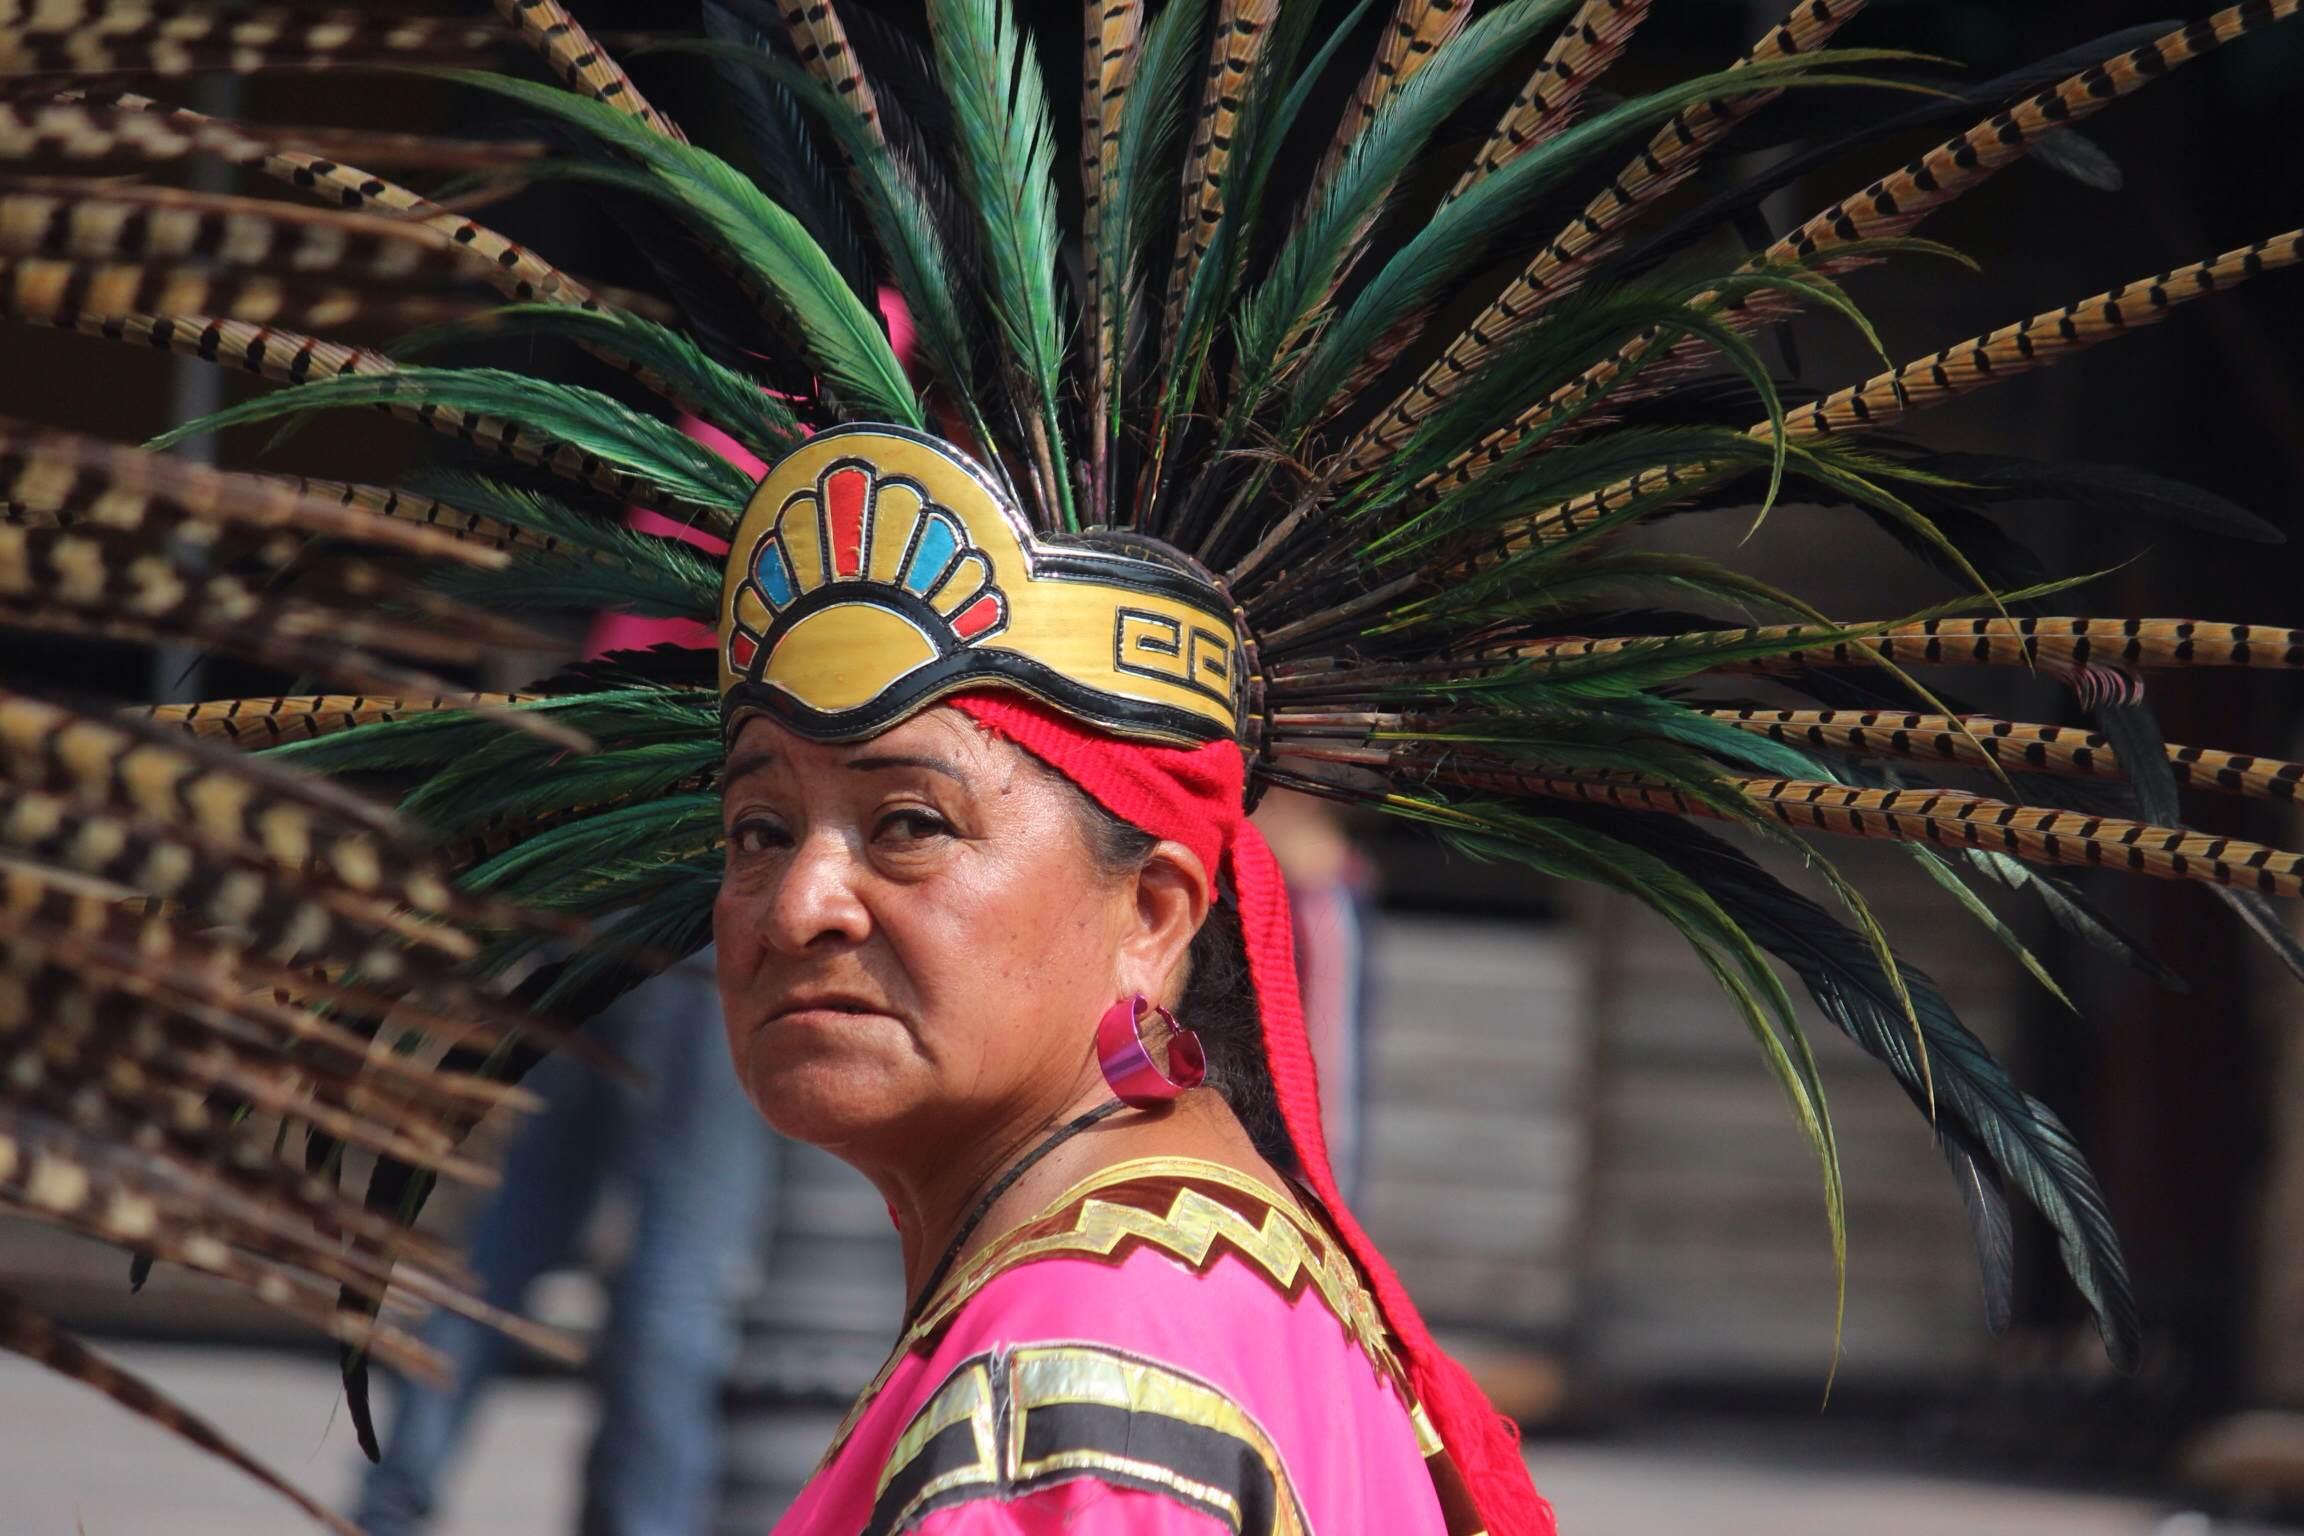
[816,902]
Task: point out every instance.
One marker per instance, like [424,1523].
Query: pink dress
[1171,1348]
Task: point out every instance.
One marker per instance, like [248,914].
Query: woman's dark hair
[1219,1002]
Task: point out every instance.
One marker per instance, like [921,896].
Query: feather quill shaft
[1112,48]
[267,722]
[1242,27]
[79,480]
[1671,155]
[131,223]
[821,40]
[1949,818]
[1585,49]
[72,294]
[66,39]
[27,1333]
[1894,205]
[514,270]
[1418,28]
[392,505]
[2059,646]
[79,130]
[1888,396]
[1976,740]
[581,63]
[517,272]
[2038,342]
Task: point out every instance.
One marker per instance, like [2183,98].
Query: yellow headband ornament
[877,570]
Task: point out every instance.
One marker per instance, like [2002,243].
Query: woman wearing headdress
[997,930]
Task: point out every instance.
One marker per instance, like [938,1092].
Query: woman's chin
[827,1099]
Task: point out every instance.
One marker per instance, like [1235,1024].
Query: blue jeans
[698,1160]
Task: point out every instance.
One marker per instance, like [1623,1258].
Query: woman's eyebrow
[886,760]
[750,762]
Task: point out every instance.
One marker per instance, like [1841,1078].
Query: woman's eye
[913,824]
[755,835]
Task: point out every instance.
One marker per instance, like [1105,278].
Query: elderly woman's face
[914,938]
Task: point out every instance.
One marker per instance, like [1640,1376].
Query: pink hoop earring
[1136,1078]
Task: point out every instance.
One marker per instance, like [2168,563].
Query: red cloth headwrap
[1194,796]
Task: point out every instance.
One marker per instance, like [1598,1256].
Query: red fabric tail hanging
[1195,796]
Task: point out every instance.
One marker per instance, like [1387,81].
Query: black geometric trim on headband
[959,669]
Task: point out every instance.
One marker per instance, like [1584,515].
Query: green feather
[1007,152]
[448,736]
[585,419]
[777,147]
[1730,954]
[538,866]
[903,221]
[1942,872]
[593,565]
[1317,253]
[661,579]
[759,237]
[504,780]
[668,911]
[1460,232]
[737,405]
[2025,1139]
[1136,200]
[1622,578]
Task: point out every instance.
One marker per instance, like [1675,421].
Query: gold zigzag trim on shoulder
[1285,1244]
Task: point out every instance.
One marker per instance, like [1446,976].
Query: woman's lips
[825,1011]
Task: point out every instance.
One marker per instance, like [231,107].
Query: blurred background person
[695,1164]
[1331,904]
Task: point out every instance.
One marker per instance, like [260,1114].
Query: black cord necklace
[991,1197]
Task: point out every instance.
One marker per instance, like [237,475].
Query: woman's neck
[934,1201]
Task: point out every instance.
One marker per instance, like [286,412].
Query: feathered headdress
[1219,416]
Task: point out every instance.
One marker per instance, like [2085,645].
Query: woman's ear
[1173,893]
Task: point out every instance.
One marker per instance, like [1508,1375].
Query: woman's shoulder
[1167,1327]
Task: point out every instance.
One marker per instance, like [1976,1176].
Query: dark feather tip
[355,1368]
[1990,1225]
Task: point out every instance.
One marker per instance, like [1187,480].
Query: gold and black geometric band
[877,570]
[1012,1422]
